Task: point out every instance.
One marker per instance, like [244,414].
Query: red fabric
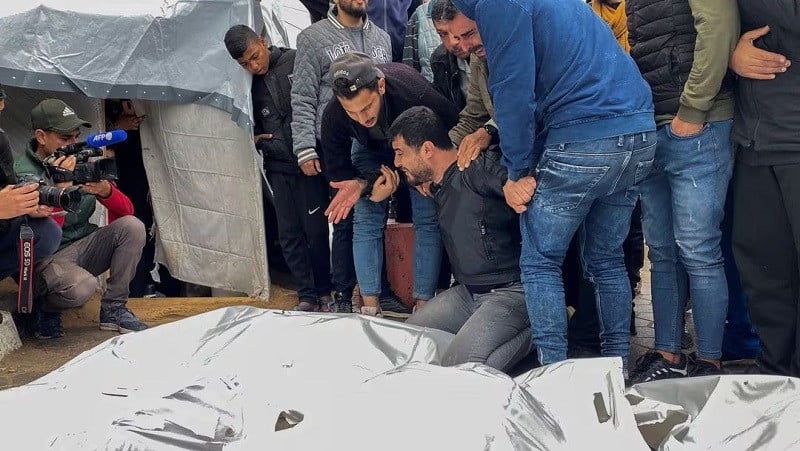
[117,203]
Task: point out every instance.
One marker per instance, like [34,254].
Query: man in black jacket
[766,194]
[480,231]
[299,200]
[368,99]
[19,206]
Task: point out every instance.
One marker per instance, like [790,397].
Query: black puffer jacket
[447,77]
[662,37]
[479,230]
[272,112]
[767,121]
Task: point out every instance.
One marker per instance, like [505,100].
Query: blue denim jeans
[683,203]
[369,222]
[585,187]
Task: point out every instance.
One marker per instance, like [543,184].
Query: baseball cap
[55,115]
[357,68]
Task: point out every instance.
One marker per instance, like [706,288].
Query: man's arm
[512,80]
[474,115]
[117,203]
[305,97]
[717,26]
[488,176]
[336,143]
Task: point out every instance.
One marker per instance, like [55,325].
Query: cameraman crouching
[15,204]
[67,279]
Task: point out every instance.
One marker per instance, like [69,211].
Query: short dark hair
[444,10]
[237,38]
[419,124]
[341,88]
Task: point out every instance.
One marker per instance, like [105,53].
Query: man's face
[466,31]
[366,106]
[256,58]
[410,161]
[355,8]
[50,141]
[451,43]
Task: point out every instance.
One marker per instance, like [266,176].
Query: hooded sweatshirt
[556,75]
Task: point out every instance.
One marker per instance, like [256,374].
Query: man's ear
[381,86]
[426,150]
[39,134]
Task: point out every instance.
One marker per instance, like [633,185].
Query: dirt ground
[39,357]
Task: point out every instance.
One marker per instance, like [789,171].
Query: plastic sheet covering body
[243,378]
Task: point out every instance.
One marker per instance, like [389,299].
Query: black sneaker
[393,307]
[48,326]
[116,317]
[652,367]
[343,303]
[704,368]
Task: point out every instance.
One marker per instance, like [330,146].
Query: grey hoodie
[317,46]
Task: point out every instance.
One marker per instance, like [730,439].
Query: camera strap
[25,294]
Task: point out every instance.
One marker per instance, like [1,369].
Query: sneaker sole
[115,328]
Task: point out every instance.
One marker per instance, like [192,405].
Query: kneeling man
[481,233]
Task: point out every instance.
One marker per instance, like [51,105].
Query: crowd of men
[536,145]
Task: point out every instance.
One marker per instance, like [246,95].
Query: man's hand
[418,305]
[345,199]
[18,201]
[101,188]
[128,122]
[471,146]
[258,138]
[67,163]
[311,167]
[425,189]
[385,185]
[684,129]
[519,194]
[42,211]
[751,62]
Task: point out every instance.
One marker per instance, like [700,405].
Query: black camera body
[89,171]
[68,198]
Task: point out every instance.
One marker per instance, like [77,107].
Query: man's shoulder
[308,35]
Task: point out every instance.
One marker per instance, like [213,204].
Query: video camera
[92,171]
[68,198]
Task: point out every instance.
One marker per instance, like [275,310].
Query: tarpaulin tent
[169,57]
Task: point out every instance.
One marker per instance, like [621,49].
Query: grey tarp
[169,56]
[238,378]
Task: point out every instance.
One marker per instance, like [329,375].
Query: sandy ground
[39,357]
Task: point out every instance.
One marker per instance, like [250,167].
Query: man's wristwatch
[493,133]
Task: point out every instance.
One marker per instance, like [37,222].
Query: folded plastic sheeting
[243,378]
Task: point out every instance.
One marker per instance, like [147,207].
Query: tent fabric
[244,378]
[206,198]
[158,50]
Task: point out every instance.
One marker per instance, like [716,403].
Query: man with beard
[346,29]
[479,230]
[369,98]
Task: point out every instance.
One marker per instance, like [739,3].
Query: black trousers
[300,202]
[766,245]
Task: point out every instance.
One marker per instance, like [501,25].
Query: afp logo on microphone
[100,138]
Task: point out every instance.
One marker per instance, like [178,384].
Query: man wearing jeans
[576,125]
[486,310]
[682,49]
[367,100]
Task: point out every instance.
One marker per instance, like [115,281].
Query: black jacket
[272,112]
[447,77]
[662,37]
[405,88]
[479,230]
[767,120]
[7,176]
